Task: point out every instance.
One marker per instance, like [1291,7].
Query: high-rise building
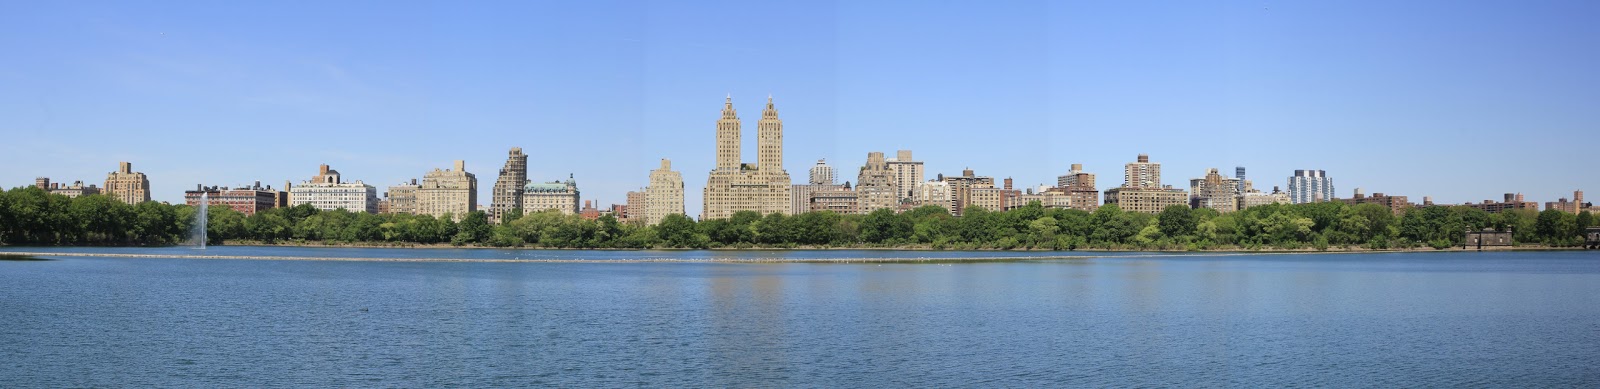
[327,191]
[246,200]
[1575,206]
[961,187]
[507,194]
[1142,191]
[664,196]
[1142,174]
[842,200]
[875,185]
[822,174]
[557,195]
[401,198]
[801,196]
[451,192]
[634,211]
[126,185]
[1238,173]
[1308,186]
[935,193]
[1079,187]
[907,173]
[1215,191]
[733,186]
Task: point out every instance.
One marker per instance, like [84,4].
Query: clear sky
[1458,100]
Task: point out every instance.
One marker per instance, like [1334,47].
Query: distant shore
[1228,249]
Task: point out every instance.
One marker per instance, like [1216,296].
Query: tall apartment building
[1075,178]
[126,185]
[1142,173]
[822,174]
[664,196]
[841,200]
[77,189]
[907,173]
[1238,172]
[1512,201]
[557,195]
[507,193]
[733,186]
[875,186]
[1141,190]
[327,191]
[1215,191]
[246,200]
[995,199]
[1079,187]
[451,192]
[1308,186]
[401,199]
[634,211]
[961,187]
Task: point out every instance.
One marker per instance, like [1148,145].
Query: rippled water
[1525,319]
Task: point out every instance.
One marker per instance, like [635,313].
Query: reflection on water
[1458,319]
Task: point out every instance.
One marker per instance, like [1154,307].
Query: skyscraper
[907,173]
[126,185]
[1142,174]
[1142,191]
[1238,172]
[1308,186]
[875,185]
[664,196]
[733,186]
[507,193]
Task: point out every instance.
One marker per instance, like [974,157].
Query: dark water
[1528,319]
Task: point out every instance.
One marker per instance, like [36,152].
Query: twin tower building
[733,186]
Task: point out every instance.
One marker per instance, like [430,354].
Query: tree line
[30,216]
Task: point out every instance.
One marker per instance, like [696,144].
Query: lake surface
[1518,319]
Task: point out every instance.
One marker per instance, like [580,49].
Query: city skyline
[1383,109]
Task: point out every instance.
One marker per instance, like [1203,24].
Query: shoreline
[1233,249]
[24,255]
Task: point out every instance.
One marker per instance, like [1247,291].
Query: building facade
[822,174]
[451,192]
[961,187]
[842,200]
[1396,204]
[1215,191]
[1575,206]
[327,191]
[733,186]
[557,195]
[907,174]
[1141,189]
[1512,201]
[800,201]
[1309,186]
[76,190]
[1253,198]
[875,185]
[246,200]
[664,196]
[507,192]
[937,193]
[126,185]
[401,199]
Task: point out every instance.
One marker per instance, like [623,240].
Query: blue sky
[1457,100]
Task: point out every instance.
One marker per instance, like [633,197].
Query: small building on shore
[1591,237]
[1487,237]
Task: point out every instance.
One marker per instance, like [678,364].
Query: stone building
[451,192]
[1079,189]
[995,199]
[1574,207]
[733,186]
[246,200]
[327,191]
[664,196]
[843,201]
[557,195]
[1215,191]
[907,174]
[126,185]
[507,192]
[875,185]
[401,199]
[634,211]
[935,193]
[1254,198]
[800,201]
[77,189]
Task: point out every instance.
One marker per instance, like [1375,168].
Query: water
[1524,319]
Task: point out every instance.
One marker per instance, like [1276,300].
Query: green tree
[1176,220]
[676,230]
[885,226]
[474,228]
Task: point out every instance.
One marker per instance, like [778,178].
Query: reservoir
[711,318]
